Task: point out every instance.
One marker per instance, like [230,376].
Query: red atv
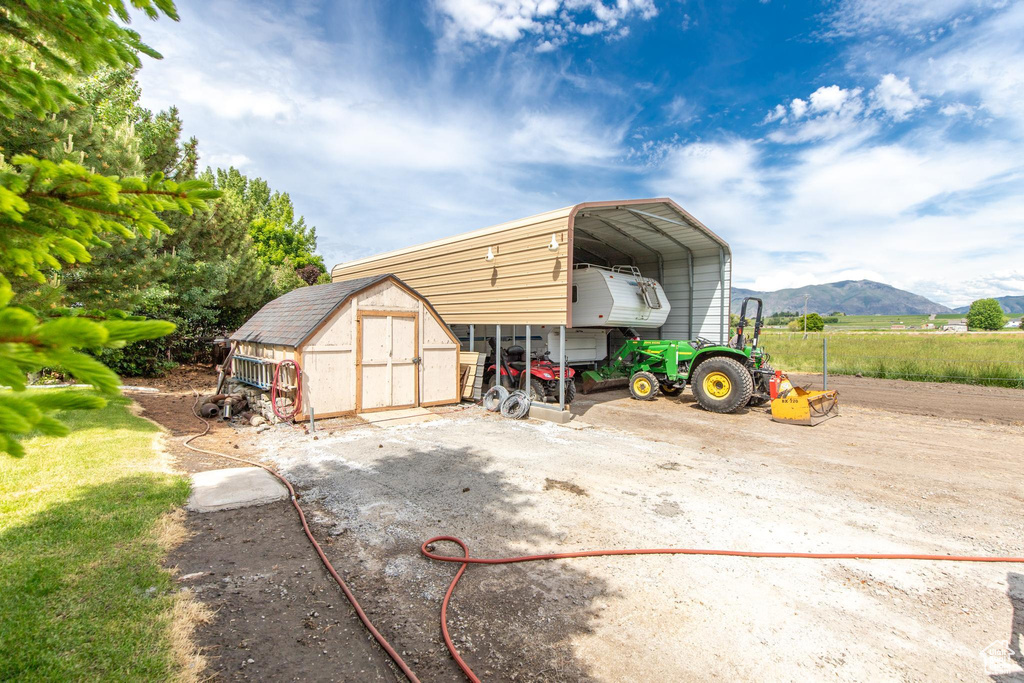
[543,374]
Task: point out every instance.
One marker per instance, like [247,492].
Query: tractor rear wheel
[722,385]
[643,386]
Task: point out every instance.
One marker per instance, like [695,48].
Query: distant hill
[1010,304]
[853,297]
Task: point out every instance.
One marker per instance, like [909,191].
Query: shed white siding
[384,347]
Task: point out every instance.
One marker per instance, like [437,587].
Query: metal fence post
[824,362]
[472,338]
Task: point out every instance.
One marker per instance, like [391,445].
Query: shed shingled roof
[290,318]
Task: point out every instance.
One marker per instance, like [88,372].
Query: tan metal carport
[508,273]
[520,272]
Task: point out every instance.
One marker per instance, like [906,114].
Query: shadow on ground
[1015,591]
[509,621]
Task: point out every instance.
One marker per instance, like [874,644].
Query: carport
[518,275]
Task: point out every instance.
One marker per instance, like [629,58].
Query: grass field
[82,592]
[884,322]
[995,359]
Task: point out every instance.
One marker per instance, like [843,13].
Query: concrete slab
[235,487]
[404,416]
[552,414]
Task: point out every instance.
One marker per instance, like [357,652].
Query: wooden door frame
[385,313]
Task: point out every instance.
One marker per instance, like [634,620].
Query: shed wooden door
[387,360]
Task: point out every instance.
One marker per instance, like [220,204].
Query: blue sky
[848,139]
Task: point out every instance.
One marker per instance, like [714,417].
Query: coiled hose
[466,559]
[297,404]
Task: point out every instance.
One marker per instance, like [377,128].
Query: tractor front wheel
[722,385]
[643,386]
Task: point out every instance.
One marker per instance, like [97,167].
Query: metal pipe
[561,367]
[657,254]
[472,338]
[595,238]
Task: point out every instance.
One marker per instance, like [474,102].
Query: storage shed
[364,345]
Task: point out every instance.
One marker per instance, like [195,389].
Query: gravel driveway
[694,479]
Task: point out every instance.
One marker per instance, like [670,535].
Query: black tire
[669,390]
[492,381]
[570,390]
[643,386]
[536,390]
[725,375]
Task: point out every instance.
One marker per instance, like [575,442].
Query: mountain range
[853,297]
[1010,304]
[858,297]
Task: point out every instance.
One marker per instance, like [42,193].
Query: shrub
[985,314]
[815,323]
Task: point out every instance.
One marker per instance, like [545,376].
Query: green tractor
[723,378]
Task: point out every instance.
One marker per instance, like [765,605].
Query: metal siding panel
[525,283]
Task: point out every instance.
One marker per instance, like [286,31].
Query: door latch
[416,360]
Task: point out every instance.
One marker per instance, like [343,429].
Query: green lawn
[82,593]
[995,359]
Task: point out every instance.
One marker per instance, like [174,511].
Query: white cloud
[895,97]
[831,98]
[832,111]
[680,110]
[507,21]
[777,114]
[239,161]
[853,208]
[925,18]
[798,107]
[959,109]
[984,63]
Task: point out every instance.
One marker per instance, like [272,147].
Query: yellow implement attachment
[802,407]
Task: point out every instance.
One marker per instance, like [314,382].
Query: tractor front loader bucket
[803,407]
[593,381]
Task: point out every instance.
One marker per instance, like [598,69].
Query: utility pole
[806,296]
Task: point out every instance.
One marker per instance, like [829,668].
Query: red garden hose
[392,653]
[287,417]
[465,560]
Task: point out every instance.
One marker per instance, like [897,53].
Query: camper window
[575,294]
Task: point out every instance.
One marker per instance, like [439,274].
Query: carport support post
[561,367]
[472,338]
[527,378]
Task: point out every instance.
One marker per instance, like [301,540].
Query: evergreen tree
[52,213]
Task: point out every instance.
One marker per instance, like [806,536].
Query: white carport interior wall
[692,264]
[520,274]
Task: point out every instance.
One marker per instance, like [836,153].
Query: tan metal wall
[525,283]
